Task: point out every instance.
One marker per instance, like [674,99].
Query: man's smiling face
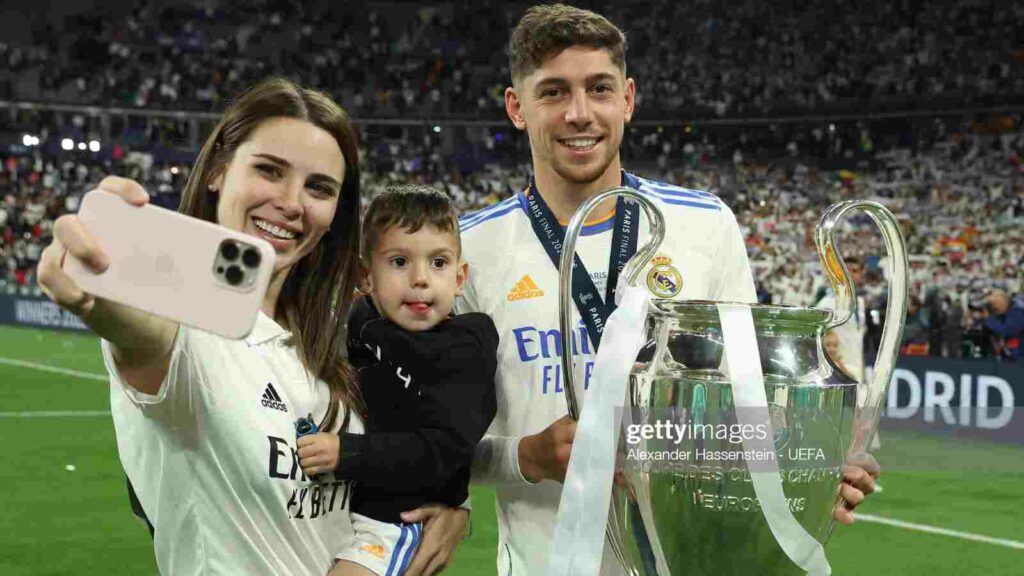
[574,108]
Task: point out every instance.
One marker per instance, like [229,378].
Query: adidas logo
[272,400]
[373,549]
[525,288]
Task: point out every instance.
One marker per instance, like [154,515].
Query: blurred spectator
[1006,323]
[916,329]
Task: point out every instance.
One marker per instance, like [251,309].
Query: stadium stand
[739,104]
[694,59]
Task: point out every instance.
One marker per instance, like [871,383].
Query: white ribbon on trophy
[586,494]
[751,401]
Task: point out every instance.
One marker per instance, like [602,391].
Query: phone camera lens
[251,258]
[229,250]
[234,275]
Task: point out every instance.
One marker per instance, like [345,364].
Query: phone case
[166,263]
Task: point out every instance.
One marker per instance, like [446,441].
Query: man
[1006,322]
[570,93]
[915,329]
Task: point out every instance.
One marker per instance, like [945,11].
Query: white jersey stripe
[485,212]
[399,549]
[506,210]
[681,199]
[677,190]
[412,548]
[488,211]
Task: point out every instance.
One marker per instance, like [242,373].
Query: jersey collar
[628,181]
[264,330]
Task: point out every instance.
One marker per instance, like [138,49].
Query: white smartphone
[182,268]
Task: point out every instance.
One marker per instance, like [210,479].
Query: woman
[214,468]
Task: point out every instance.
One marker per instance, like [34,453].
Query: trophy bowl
[684,503]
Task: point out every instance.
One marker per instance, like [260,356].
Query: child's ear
[461,275]
[365,283]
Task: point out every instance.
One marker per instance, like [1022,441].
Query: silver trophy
[690,514]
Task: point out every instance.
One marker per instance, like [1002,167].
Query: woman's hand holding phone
[157,264]
[140,341]
[71,237]
[134,272]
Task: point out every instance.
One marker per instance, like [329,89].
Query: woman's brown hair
[315,299]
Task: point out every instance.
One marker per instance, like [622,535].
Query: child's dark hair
[409,207]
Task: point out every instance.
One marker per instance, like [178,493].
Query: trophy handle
[846,304]
[630,272]
[565,305]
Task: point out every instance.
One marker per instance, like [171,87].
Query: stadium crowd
[956,181]
[960,200]
[697,59]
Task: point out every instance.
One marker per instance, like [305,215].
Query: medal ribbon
[625,235]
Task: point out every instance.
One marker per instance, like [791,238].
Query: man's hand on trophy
[859,476]
[545,455]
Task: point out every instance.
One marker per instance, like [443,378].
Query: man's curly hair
[545,30]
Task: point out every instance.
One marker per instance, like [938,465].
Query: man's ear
[365,283]
[461,276]
[630,93]
[514,108]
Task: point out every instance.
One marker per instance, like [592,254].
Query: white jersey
[512,278]
[212,458]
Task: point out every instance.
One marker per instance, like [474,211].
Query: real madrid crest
[664,280]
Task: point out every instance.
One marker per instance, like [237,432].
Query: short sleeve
[177,386]
[736,281]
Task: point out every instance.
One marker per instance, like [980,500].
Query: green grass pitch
[59,521]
